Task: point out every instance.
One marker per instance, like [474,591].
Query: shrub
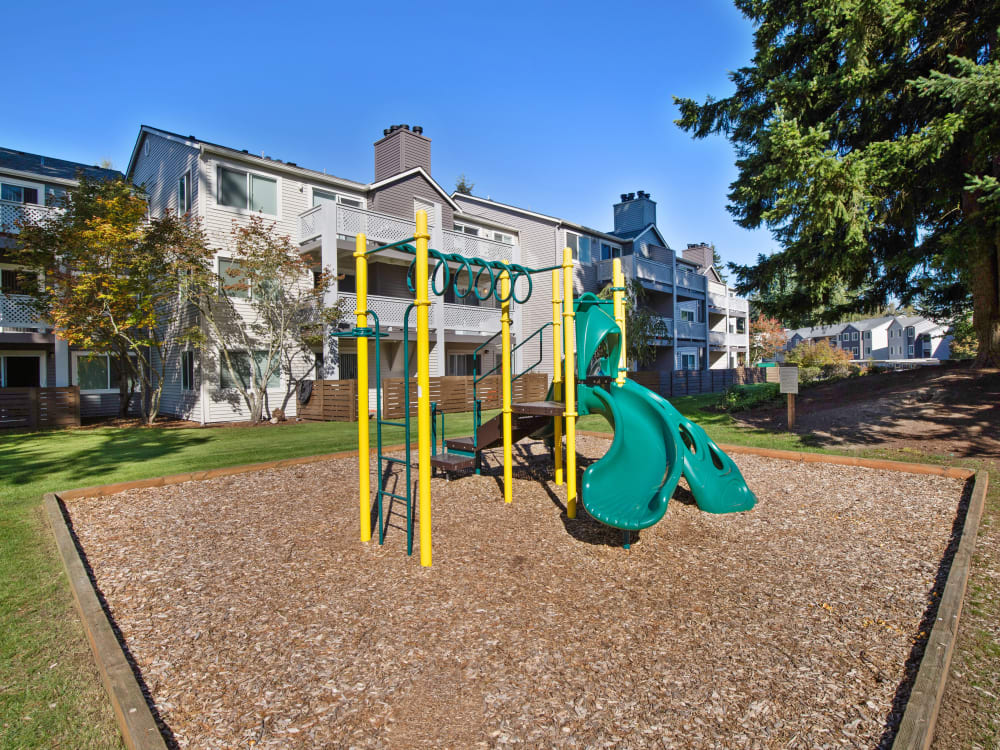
[810,374]
[743,397]
[817,354]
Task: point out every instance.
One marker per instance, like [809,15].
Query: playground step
[491,433]
[452,462]
[540,408]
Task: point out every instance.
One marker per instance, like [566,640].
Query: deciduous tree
[113,280]
[767,338]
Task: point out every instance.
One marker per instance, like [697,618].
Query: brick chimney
[635,211]
[401,149]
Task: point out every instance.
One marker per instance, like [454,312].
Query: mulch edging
[139,727]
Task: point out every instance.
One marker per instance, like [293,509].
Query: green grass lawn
[50,695]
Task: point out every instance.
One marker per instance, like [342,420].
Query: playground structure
[653,445]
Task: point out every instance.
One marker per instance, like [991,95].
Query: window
[911,349]
[580,246]
[688,314]
[854,336]
[99,372]
[466,229]
[325,196]
[241,364]
[868,335]
[231,279]
[18,193]
[248,191]
[22,370]
[507,239]
[13,281]
[687,361]
[184,194]
[54,196]
[461,364]
[348,366]
[187,371]
[609,251]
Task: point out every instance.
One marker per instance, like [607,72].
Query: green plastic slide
[654,444]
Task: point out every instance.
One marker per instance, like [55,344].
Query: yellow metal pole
[570,382]
[505,380]
[557,383]
[364,457]
[618,282]
[423,392]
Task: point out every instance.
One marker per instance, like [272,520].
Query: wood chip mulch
[258,619]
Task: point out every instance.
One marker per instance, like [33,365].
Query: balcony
[690,329]
[476,247]
[16,311]
[664,328]
[390,310]
[382,229]
[739,305]
[471,319]
[693,281]
[12,214]
[717,339]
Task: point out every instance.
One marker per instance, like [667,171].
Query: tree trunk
[985,265]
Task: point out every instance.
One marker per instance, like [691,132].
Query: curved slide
[654,444]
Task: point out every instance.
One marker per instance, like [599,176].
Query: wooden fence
[331,401]
[454,393]
[38,408]
[693,382]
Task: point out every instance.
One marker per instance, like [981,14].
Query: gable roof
[410,173]
[48,167]
[242,155]
[637,233]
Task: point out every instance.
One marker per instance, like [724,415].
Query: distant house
[31,354]
[890,337]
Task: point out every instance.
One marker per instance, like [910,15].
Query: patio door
[21,371]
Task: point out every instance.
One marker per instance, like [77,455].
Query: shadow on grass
[29,459]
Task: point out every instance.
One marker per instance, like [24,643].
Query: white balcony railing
[16,311]
[714,287]
[310,224]
[472,319]
[390,310]
[376,227]
[717,338]
[739,305]
[476,247]
[12,214]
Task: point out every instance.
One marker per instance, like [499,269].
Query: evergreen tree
[868,141]
[463,186]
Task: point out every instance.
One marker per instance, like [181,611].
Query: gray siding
[160,170]
[541,245]
[396,199]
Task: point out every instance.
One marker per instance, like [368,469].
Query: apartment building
[31,354]
[702,323]
[890,337]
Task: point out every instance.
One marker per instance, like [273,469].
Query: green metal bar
[378,423]
[406,411]
[401,245]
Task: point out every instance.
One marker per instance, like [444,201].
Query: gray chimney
[634,213]
[401,149]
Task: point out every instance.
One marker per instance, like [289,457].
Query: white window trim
[186,179]
[461,226]
[14,181]
[233,388]
[192,387]
[245,170]
[42,365]
[313,189]
[218,272]
[613,247]
[74,372]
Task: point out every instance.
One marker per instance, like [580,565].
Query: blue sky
[559,107]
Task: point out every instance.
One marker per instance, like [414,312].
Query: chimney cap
[418,129]
[624,197]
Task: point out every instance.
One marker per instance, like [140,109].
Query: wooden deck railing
[38,408]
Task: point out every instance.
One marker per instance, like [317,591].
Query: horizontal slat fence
[331,401]
[39,408]
[453,393]
[694,382]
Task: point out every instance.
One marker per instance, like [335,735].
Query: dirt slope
[949,409]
